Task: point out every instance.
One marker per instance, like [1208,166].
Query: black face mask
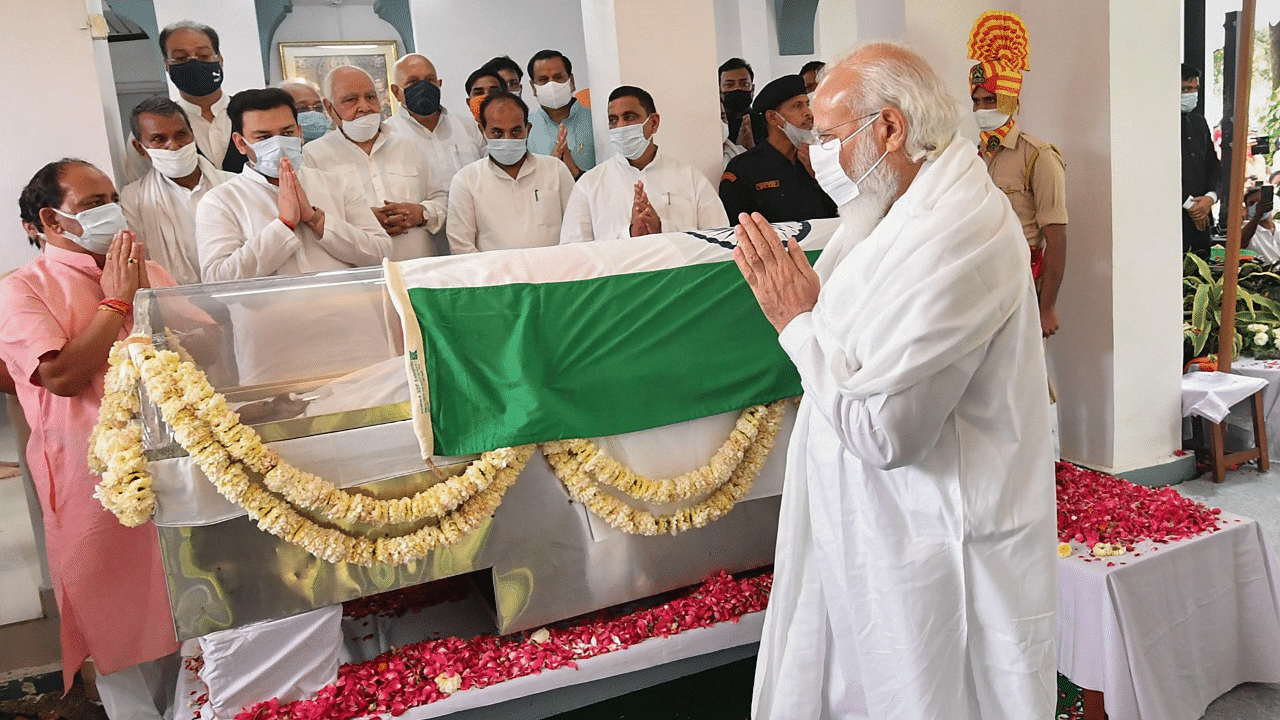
[197,77]
[736,102]
[422,98]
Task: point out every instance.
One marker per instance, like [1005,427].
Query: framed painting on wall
[313,61]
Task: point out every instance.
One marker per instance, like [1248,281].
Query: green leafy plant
[1202,306]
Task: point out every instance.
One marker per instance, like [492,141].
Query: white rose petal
[540,635]
[448,684]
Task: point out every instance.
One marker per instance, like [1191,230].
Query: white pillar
[621,50]
[1118,357]
[237,24]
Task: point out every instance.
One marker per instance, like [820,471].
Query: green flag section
[586,340]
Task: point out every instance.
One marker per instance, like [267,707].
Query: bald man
[390,168]
[451,142]
[306,100]
[915,572]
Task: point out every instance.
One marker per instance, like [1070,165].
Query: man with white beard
[915,573]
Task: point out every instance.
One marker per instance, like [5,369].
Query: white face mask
[97,227]
[825,159]
[268,151]
[724,132]
[990,119]
[797,136]
[363,128]
[174,163]
[629,140]
[553,95]
[506,151]
[1189,101]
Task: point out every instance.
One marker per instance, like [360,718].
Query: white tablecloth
[1163,633]
[1211,394]
[1241,419]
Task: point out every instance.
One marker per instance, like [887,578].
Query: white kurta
[239,233]
[163,215]
[1266,243]
[455,143]
[490,210]
[396,169]
[600,206]
[915,572]
[212,137]
[730,150]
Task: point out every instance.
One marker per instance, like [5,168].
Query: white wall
[622,53]
[237,24]
[746,29]
[459,36]
[1146,231]
[323,22]
[46,47]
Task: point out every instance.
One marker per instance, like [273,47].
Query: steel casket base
[545,562]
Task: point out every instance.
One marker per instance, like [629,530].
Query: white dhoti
[915,572]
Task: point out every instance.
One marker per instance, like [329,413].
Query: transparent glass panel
[283,350]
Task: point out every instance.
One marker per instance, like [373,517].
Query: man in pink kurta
[108,579]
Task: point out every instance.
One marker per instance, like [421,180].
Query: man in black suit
[1201,169]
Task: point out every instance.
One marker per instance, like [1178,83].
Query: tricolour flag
[586,340]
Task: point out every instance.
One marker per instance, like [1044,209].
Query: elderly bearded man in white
[915,567]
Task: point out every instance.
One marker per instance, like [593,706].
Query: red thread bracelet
[116,305]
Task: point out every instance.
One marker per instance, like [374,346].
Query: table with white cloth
[1240,421]
[1166,629]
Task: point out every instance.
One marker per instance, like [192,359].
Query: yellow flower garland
[601,468]
[300,488]
[227,451]
[576,463]
[224,449]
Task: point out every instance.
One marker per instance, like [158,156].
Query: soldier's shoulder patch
[728,177]
[768,184]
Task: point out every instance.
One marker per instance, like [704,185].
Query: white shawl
[162,214]
[940,259]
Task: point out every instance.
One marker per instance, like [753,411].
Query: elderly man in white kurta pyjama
[915,569]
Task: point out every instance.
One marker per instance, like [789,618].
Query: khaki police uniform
[1032,174]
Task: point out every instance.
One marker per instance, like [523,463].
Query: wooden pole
[1235,209]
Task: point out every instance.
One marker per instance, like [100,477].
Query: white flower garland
[577,463]
[224,449]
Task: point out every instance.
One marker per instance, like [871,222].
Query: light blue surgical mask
[314,124]
[97,227]
[268,152]
[506,151]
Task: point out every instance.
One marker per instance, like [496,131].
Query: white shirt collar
[218,107]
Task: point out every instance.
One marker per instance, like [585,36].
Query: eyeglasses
[826,135]
[203,57]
